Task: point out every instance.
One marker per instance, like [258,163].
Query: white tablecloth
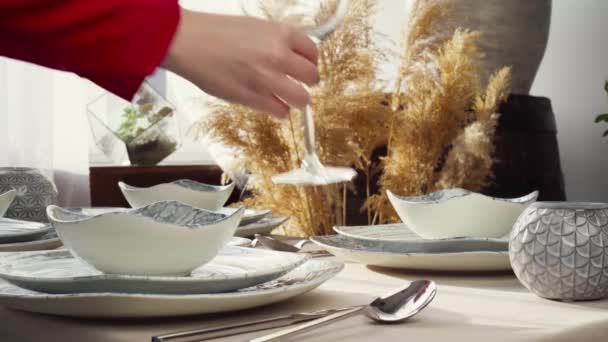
[467,308]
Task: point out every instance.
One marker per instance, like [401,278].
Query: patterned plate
[59,272]
[394,256]
[12,231]
[46,242]
[107,305]
[250,216]
[263,226]
[400,237]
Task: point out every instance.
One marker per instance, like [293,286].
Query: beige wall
[572,75]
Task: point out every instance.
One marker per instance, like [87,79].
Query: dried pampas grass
[437,128]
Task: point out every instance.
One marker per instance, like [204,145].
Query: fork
[205,334]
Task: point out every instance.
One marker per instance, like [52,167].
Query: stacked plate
[238,278]
[450,230]
[256,222]
[16,235]
[397,246]
[135,263]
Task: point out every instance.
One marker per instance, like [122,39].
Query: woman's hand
[245,60]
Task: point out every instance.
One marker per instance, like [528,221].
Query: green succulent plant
[603,117]
[131,128]
[128,129]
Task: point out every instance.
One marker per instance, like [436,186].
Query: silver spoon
[398,306]
[312,171]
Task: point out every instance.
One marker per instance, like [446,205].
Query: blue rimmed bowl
[455,213]
[163,238]
[195,194]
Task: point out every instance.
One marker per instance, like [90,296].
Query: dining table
[468,307]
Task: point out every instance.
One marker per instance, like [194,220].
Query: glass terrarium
[143,132]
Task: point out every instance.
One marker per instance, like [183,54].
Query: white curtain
[43,125]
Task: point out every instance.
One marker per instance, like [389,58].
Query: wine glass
[312,171]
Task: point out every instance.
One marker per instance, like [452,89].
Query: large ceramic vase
[559,250]
[514,33]
[34,193]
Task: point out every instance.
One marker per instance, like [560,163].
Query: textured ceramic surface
[12,231]
[249,216]
[164,238]
[379,254]
[44,243]
[400,237]
[560,250]
[34,193]
[456,213]
[105,305]
[187,191]
[232,269]
[263,226]
[5,201]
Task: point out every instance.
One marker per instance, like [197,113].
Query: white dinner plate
[59,272]
[399,236]
[12,231]
[108,305]
[379,254]
[263,226]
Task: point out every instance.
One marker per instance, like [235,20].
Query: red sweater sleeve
[114,43]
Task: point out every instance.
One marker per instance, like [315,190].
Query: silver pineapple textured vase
[34,193]
[560,250]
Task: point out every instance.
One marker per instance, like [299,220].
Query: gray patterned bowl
[457,213]
[560,250]
[164,238]
[35,191]
[5,201]
[198,195]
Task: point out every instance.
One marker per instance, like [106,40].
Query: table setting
[171,259]
[185,261]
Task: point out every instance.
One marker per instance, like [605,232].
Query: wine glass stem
[309,131]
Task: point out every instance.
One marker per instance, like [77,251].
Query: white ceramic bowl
[198,195]
[456,213]
[164,238]
[5,201]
